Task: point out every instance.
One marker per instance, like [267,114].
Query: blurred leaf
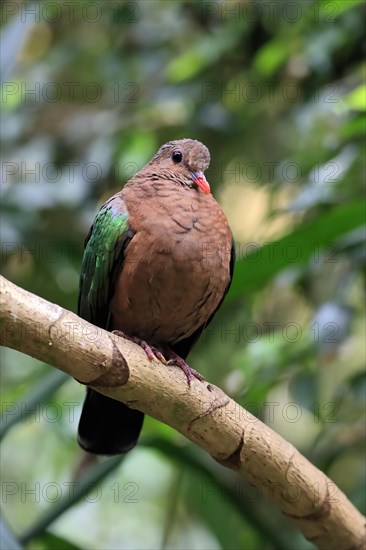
[357,98]
[353,128]
[358,497]
[254,270]
[193,60]
[337,7]
[10,95]
[271,57]
[303,388]
[357,385]
[48,541]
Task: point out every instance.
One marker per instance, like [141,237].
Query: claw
[159,355]
[151,351]
[154,354]
[188,371]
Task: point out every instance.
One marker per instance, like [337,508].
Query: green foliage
[277,93]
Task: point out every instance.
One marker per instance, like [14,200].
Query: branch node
[118,372]
[233,461]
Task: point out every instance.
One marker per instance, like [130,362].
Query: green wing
[103,260]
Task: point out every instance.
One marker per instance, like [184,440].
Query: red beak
[200,180]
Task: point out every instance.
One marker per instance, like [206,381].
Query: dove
[157,264]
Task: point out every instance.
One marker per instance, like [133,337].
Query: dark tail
[108,427]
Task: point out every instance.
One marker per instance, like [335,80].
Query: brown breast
[176,267]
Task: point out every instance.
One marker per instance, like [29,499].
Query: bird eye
[177,156]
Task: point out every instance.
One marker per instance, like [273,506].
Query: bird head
[184,160]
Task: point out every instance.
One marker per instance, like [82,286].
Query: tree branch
[203,413]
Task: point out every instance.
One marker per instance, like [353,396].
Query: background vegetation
[276,90]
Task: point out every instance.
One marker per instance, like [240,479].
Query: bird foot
[151,351]
[190,373]
[154,354]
